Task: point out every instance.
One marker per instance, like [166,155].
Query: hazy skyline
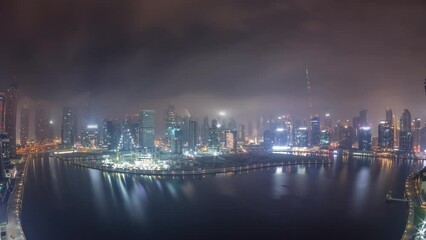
[244,57]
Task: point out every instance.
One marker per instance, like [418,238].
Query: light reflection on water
[285,196]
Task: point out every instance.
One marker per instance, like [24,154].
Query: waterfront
[344,200]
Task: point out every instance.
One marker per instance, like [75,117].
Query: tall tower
[40,126]
[24,126]
[67,131]
[147,130]
[405,134]
[11,111]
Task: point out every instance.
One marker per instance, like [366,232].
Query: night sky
[243,56]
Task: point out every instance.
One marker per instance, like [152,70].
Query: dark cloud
[239,54]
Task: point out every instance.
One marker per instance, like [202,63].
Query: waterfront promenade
[14,229]
[232,169]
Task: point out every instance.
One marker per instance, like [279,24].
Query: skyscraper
[250,129]
[416,127]
[231,139]
[315,130]
[192,134]
[24,125]
[4,153]
[405,133]
[364,138]
[389,116]
[170,122]
[11,111]
[40,126]
[176,140]
[147,130]
[205,131]
[108,138]
[301,137]
[325,138]
[67,131]
[213,135]
[328,124]
[385,137]
[241,133]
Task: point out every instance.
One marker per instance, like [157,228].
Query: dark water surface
[344,200]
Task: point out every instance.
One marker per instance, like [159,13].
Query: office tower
[250,129]
[281,137]
[363,121]
[416,127]
[147,130]
[385,136]
[231,139]
[126,141]
[213,135]
[176,140]
[90,136]
[67,127]
[389,116]
[328,124]
[24,125]
[405,133]
[205,131]
[170,122]
[301,137]
[315,131]
[11,112]
[241,133]
[259,128]
[347,137]
[41,125]
[4,153]
[364,138]
[325,138]
[109,141]
[192,134]
[2,112]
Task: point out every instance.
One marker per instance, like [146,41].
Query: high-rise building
[170,122]
[192,134]
[315,131]
[11,111]
[108,138]
[231,139]
[24,125]
[364,138]
[347,137]
[385,136]
[416,127]
[242,133]
[325,138]
[90,136]
[232,124]
[205,131]
[4,153]
[41,125]
[2,112]
[389,116]
[405,133]
[301,137]
[67,127]
[328,124]
[281,137]
[214,135]
[176,140]
[147,130]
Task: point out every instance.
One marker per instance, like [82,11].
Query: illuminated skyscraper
[389,116]
[170,121]
[176,140]
[301,137]
[4,153]
[108,135]
[386,138]
[213,135]
[315,131]
[231,139]
[205,131]
[11,112]
[405,133]
[192,134]
[325,138]
[90,136]
[416,127]
[241,133]
[347,137]
[147,130]
[364,138]
[328,124]
[67,131]
[24,125]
